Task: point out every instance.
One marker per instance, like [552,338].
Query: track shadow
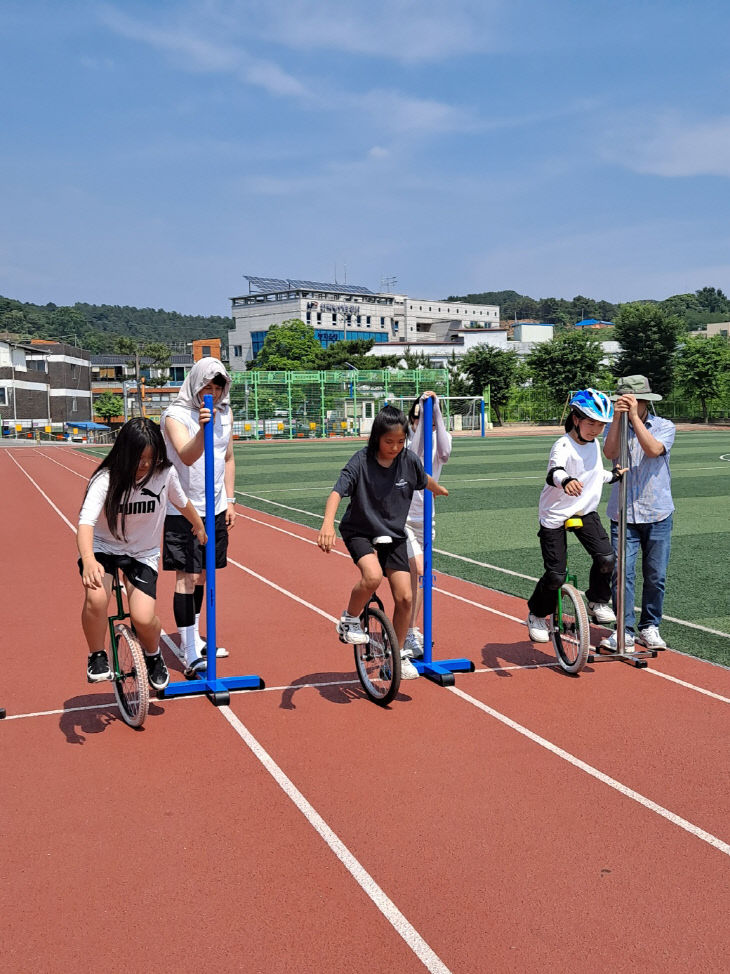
[500,656]
[339,688]
[90,714]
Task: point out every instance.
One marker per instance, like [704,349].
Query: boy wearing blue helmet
[573,486]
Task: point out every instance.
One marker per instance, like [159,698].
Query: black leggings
[553,542]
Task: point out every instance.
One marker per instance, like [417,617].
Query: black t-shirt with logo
[380,496]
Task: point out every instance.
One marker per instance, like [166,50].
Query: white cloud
[202,54]
[403,30]
[667,145]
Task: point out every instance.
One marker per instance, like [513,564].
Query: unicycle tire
[130,682]
[570,631]
[378,661]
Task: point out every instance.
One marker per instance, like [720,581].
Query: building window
[319,317]
[238,350]
[74,407]
[367,320]
[3,396]
[309,317]
[382,322]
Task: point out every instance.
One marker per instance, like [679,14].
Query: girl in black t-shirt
[379,480]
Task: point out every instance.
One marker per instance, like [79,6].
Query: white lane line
[439,551]
[430,960]
[495,568]
[428,957]
[44,494]
[683,683]
[677,820]
[565,755]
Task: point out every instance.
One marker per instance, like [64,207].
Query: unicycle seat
[573,523]
[383,539]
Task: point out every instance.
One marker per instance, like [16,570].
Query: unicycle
[378,660]
[129,670]
[569,627]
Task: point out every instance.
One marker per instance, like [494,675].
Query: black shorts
[392,557]
[181,550]
[138,574]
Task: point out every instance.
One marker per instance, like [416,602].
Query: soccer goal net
[460,412]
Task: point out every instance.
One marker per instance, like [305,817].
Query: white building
[339,312]
[444,340]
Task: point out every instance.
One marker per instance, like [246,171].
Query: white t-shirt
[437,465]
[582,461]
[192,478]
[144,518]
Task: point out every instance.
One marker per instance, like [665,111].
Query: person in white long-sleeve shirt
[440,453]
[573,487]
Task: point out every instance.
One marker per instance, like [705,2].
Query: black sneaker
[157,671]
[97,669]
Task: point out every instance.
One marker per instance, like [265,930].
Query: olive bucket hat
[635,385]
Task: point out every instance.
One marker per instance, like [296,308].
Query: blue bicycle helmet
[592,404]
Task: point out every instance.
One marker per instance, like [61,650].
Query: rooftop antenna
[388,284]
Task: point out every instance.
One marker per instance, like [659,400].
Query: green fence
[289,405]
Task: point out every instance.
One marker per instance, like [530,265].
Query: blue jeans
[655,541]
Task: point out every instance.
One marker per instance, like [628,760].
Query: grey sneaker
[412,647]
[601,612]
[350,631]
[611,643]
[538,629]
[650,638]
[407,670]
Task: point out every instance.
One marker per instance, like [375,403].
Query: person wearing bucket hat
[649,507]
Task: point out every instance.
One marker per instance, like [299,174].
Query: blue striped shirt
[648,481]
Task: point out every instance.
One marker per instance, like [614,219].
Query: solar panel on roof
[265,285]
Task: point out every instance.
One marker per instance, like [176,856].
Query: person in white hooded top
[440,453]
[183,429]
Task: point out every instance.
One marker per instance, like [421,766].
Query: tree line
[706,305]
[98,327]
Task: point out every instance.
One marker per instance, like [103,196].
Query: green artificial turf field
[490,516]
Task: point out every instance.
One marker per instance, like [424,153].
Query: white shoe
[412,647]
[650,638]
[601,612]
[350,631]
[538,629]
[610,642]
[407,670]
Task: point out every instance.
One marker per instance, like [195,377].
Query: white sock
[187,643]
[199,641]
[346,615]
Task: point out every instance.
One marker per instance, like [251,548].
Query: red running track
[525,820]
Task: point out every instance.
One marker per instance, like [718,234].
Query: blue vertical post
[211,643]
[483,417]
[442,671]
[216,690]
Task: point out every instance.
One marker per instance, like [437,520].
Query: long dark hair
[389,418]
[122,462]
[414,412]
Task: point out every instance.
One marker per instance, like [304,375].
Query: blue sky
[151,153]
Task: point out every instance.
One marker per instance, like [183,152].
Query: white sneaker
[650,638]
[412,647]
[350,631]
[538,629]
[407,670]
[601,612]
[610,642]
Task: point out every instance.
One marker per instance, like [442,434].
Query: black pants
[553,542]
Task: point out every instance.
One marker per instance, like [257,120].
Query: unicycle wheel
[378,661]
[130,680]
[570,630]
